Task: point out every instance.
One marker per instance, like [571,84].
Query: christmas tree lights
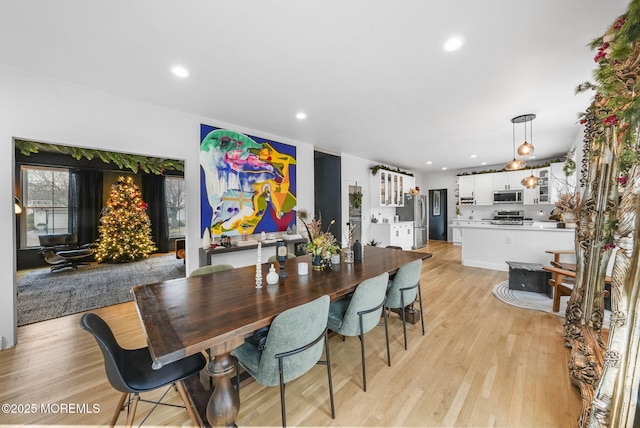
[125,228]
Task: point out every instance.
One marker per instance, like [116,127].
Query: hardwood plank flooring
[481,363]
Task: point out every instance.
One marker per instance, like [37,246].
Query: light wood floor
[481,363]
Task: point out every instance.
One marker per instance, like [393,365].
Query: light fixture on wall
[515,164]
[17,206]
[525,149]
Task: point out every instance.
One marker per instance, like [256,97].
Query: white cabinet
[509,180]
[466,190]
[391,187]
[483,189]
[396,234]
[540,193]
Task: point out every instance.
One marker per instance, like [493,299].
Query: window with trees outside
[175,194]
[45,203]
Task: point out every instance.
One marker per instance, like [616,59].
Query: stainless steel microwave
[507,197]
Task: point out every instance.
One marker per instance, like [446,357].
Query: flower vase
[348,256]
[317,262]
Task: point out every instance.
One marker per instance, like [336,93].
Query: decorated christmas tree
[125,228]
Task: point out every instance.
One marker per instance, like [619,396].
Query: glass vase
[348,256]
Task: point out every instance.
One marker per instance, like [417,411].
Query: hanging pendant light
[530,182]
[525,149]
[515,164]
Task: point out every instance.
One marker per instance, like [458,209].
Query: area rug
[535,301]
[44,295]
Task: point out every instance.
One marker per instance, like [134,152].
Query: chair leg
[421,310]
[555,282]
[404,321]
[187,403]
[364,369]
[132,409]
[282,386]
[326,351]
[119,409]
[386,335]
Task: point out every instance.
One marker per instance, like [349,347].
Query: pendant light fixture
[531,181]
[515,164]
[525,149]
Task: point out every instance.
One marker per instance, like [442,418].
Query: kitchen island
[490,246]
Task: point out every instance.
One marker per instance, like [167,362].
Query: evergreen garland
[616,84]
[135,163]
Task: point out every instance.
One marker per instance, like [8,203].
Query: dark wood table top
[184,316]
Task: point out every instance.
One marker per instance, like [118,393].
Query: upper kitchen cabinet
[540,193]
[484,189]
[392,187]
[466,190]
[475,189]
[508,180]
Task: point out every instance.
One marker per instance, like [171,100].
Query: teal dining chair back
[402,291]
[359,313]
[210,269]
[295,342]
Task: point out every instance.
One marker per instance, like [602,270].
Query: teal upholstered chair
[294,345]
[402,291]
[210,269]
[360,312]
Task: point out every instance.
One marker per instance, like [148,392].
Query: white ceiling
[370,75]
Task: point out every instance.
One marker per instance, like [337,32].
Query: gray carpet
[535,301]
[44,295]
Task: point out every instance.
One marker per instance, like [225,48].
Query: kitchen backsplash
[536,213]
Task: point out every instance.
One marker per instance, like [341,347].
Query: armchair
[61,250]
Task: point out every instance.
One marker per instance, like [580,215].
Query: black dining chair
[130,371]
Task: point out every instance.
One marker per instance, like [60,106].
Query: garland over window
[135,163]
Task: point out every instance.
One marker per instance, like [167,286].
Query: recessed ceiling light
[453,44]
[180,71]
[473,156]
[429,162]
[301,116]
[444,168]
[483,163]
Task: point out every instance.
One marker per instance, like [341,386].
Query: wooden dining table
[215,312]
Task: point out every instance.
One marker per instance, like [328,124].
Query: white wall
[37,108]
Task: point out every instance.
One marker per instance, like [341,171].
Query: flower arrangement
[322,244]
[568,203]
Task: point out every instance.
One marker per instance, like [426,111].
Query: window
[175,194]
[45,198]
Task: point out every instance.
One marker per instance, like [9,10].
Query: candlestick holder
[282,253]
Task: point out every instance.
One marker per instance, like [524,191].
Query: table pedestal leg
[224,403]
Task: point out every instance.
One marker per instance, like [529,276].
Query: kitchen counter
[551,227]
[490,246]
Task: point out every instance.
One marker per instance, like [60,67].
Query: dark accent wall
[29,258]
[328,191]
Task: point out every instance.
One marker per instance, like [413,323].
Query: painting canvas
[248,184]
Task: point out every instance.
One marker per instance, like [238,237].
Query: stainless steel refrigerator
[415,209]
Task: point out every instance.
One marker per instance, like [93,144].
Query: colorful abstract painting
[248,184]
